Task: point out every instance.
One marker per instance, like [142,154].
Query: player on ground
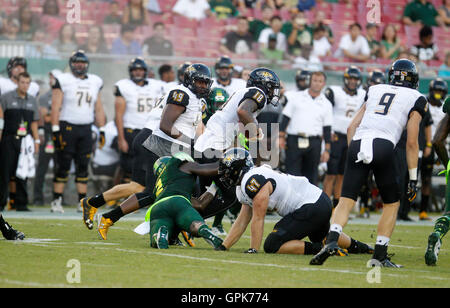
[372,136]
[305,209]
[346,102]
[224,72]
[442,224]
[76,103]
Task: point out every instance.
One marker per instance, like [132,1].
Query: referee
[307,118]
[19,117]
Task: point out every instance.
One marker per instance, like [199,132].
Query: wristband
[41,131]
[413,174]
[212,189]
[102,129]
[37,141]
[55,128]
[429,144]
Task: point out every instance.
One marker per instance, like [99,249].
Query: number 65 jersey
[80,96]
[387,112]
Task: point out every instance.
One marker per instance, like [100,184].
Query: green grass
[125,260]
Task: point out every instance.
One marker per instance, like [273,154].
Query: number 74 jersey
[387,111]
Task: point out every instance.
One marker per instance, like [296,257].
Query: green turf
[126,260]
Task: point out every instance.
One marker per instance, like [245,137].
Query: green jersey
[172,181]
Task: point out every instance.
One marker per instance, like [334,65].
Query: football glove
[101,138]
[412,190]
[58,141]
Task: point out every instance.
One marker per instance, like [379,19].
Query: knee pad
[273,242]
[81,172]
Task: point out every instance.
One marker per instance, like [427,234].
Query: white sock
[336,228]
[382,240]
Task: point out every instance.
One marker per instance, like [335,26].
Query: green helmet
[216,98]
[159,165]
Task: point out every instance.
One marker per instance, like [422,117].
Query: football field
[59,252]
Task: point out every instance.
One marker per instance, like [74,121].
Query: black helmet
[135,64]
[180,71]
[224,62]
[266,80]
[376,77]
[404,73]
[195,72]
[79,56]
[352,72]
[13,62]
[234,164]
[437,84]
[303,76]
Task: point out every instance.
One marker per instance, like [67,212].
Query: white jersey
[437,115]
[80,97]
[289,192]
[223,127]
[188,121]
[7,85]
[236,84]
[107,155]
[140,100]
[387,111]
[345,107]
[154,116]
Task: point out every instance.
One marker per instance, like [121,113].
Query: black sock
[12,196]
[56,196]
[380,252]
[335,202]
[332,236]
[97,201]
[115,214]
[81,196]
[312,248]
[357,247]
[424,203]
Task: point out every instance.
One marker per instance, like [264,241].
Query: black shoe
[405,218]
[386,262]
[12,234]
[327,251]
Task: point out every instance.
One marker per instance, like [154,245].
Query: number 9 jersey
[80,96]
[387,111]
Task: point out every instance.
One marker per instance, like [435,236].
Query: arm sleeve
[56,84]
[284,123]
[327,134]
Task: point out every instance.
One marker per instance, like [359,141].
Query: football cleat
[162,238]
[327,251]
[188,238]
[218,230]
[103,226]
[88,213]
[341,252]
[56,206]
[386,262]
[424,216]
[211,238]
[11,234]
[433,248]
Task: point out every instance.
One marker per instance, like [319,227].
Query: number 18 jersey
[387,111]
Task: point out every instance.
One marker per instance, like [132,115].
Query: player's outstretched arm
[245,114]
[238,227]
[260,203]
[355,123]
[412,142]
[439,139]
[200,169]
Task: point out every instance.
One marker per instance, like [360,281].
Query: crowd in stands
[304,33]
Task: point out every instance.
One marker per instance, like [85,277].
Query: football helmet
[303,79]
[79,56]
[438,90]
[234,164]
[352,72]
[404,73]
[137,63]
[198,72]
[13,62]
[180,72]
[216,98]
[376,77]
[267,81]
[224,62]
[159,165]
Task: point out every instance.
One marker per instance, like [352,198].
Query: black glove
[57,140]
[101,139]
[221,247]
[412,190]
[251,250]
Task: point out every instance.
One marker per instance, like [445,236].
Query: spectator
[11,30]
[444,12]
[223,9]
[272,53]
[307,61]
[38,48]
[239,41]
[299,35]
[275,28]
[114,16]
[421,12]
[426,49]
[126,44]
[321,45]
[353,45]
[391,46]
[166,73]
[320,21]
[28,22]
[135,14]
[66,41]
[257,25]
[444,69]
[193,9]
[157,44]
[95,42]
[50,8]
[249,4]
[305,5]
[371,37]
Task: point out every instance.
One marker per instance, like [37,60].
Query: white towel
[365,153]
[26,164]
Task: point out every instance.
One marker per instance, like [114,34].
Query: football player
[224,76]
[442,224]
[181,70]
[302,79]
[15,66]
[346,101]
[375,77]
[305,209]
[137,107]
[372,136]
[216,98]
[9,233]
[76,103]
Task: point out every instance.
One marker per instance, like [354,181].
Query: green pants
[175,212]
